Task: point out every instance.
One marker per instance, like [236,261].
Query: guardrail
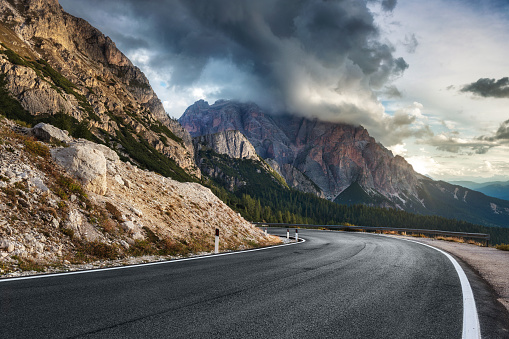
[485,238]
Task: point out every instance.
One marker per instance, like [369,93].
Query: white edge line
[471,326]
[171,261]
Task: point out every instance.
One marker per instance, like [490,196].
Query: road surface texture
[336,284]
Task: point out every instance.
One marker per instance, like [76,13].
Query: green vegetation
[36,148]
[10,107]
[148,157]
[13,57]
[158,127]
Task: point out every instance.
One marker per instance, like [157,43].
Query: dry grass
[460,240]
[503,247]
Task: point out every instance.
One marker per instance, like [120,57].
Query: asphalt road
[336,284]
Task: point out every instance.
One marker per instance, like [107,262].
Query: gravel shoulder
[492,264]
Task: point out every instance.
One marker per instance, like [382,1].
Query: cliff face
[342,163]
[232,143]
[54,63]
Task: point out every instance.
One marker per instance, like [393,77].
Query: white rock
[137,212]
[82,229]
[134,229]
[118,179]
[39,184]
[55,222]
[86,163]
[49,132]
[108,153]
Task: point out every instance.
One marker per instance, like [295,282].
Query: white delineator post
[216,247]
[265,230]
[296,235]
[287,233]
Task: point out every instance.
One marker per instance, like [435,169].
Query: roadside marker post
[216,247]
[296,235]
[265,230]
[287,233]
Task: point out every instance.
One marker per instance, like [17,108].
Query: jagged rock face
[231,143]
[295,178]
[116,90]
[259,128]
[313,156]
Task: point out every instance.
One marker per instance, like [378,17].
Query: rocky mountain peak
[55,64]
[330,156]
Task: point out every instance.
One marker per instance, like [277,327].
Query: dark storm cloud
[309,57]
[485,87]
[501,135]
[389,5]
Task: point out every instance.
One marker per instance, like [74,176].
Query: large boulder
[108,153]
[47,132]
[86,163]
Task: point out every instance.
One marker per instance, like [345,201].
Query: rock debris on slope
[78,203]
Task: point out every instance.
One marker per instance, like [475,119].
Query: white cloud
[399,149]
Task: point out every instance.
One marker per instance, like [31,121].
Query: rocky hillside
[70,201]
[342,163]
[59,69]
[231,161]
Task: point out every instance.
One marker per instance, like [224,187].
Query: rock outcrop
[50,133]
[232,143]
[85,163]
[53,63]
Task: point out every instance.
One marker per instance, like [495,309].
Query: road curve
[336,284]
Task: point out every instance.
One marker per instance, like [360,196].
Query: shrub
[36,148]
[503,247]
[174,247]
[99,250]
[142,247]
[68,232]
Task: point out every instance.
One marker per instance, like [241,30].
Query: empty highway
[334,285]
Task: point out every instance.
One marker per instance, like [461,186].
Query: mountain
[230,160]
[58,69]
[341,162]
[496,189]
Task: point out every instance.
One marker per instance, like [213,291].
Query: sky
[427,79]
